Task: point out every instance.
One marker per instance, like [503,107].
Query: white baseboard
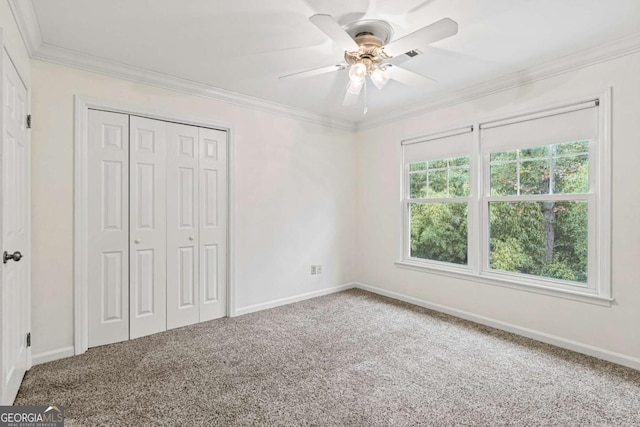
[50,356]
[290,300]
[600,353]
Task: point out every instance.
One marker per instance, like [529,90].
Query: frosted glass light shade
[358,72]
[379,77]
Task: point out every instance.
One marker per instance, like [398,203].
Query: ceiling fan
[368,51]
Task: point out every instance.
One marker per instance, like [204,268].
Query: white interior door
[108,227]
[15,278]
[157,213]
[148,229]
[213,223]
[183,294]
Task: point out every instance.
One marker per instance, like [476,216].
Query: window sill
[538,289]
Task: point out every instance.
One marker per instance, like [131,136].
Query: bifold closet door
[157,226]
[213,223]
[182,226]
[147,228]
[108,227]
[196,224]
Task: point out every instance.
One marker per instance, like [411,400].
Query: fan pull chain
[365,97]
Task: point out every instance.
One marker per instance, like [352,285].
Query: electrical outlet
[318,269]
[314,270]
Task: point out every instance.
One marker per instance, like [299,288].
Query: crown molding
[25,16]
[83,61]
[602,53]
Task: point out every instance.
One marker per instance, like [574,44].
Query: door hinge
[28,121]
[28,339]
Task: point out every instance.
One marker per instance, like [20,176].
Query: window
[438,209]
[438,197]
[540,217]
[540,237]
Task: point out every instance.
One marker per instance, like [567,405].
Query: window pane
[535,152]
[572,147]
[459,161]
[440,178]
[504,155]
[417,166]
[571,174]
[418,185]
[559,168]
[459,182]
[438,164]
[439,232]
[547,239]
[504,179]
[437,183]
[534,177]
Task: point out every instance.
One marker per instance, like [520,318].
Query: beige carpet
[348,359]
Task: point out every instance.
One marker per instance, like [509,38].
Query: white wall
[294,195]
[612,328]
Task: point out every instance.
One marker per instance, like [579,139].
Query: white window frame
[469,200]
[599,288]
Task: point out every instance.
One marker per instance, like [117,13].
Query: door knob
[16,256]
[137,241]
[192,238]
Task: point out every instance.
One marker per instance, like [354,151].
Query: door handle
[16,256]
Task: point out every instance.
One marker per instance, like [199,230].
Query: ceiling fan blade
[330,27]
[353,93]
[423,37]
[407,77]
[400,59]
[314,72]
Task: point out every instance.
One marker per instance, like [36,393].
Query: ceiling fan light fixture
[379,77]
[357,72]
[367,48]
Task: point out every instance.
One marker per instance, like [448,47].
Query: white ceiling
[244,46]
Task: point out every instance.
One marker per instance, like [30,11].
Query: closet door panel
[213,224]
[147,239]
[108,227]
[183,292]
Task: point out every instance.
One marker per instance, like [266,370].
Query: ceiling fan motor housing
[371,35]
[371,51]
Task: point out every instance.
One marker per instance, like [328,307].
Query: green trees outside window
[439,232]
[547,239]
[537,210]
[439,214]
[542,238]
